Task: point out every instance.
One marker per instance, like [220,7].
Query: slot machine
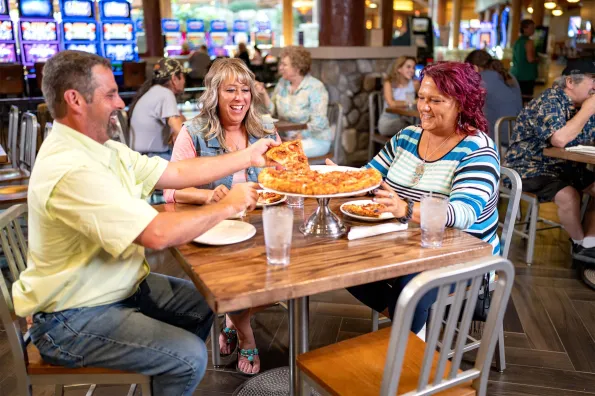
[241,32]
[38,33]
[218,38]
[79,28]
[118,40]
[172,31]
[422,36]
[195,33]
[8,44]
[263,37]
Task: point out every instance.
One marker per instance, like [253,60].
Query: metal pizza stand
[323,222]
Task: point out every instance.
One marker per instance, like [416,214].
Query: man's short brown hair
[69,70]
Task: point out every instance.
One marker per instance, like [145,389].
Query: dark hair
[69,70]
[461,82]
[526,23]
[145,88]
[482,59]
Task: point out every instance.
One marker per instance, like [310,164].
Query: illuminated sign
[38,31]
[113,31]
[90,48]
[81,9]
[37,52]
[84,31]
[120,52]
[36,8]
[195,25]
[170,26]
[6,32]
[116,9]
[8,53]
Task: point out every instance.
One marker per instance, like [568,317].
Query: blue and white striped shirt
[468,175]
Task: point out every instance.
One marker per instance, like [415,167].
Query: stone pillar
[152,24]
[514,23]
[287,22]
[342,23]
[455,24]
[538,12]
[441,12]
[386,12]
[165,7]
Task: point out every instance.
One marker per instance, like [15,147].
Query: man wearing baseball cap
[155,120]
[562,116]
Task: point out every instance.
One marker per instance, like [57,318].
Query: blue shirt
[308,104]
[502,100]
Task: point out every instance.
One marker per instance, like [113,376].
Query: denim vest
[212,148]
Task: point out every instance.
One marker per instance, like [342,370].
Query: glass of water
[278,226]
[433,220]
[410,99]
[295,202]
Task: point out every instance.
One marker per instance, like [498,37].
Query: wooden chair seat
[12,174]
[36,366]
[13,193]
[356,366]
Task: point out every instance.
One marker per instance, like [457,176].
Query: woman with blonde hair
[228,121]
[398,85]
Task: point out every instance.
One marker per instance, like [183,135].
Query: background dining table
[237,276]
[287,126]
[404,111]
[3,156]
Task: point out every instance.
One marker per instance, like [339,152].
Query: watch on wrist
[408,213]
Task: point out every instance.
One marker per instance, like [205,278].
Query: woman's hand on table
[242,196]
[388,197]
[217,194]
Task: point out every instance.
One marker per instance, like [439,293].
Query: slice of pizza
[265,198]
[290,155]
[366,210]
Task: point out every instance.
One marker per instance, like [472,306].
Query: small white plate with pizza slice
[267,198]
[365,210]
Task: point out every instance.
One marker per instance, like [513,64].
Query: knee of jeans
[200,359]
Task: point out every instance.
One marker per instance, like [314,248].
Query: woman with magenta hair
[448,155]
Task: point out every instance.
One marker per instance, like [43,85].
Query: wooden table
[557,152]
[237,276]
[286,126]
[404,111]
[3,156]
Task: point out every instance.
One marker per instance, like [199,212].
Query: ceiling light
[550,4]
[573,1]
[557,12]
[402,5]
[530,10]
[373,5]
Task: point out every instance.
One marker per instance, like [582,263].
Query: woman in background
[397,88]
[503,96]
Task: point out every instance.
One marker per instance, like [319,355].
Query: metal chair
[29,368]
[422,370]
[529,231]
[119,137]
[376,105]
[47,129]
[335,117]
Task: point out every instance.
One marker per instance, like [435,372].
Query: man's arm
[176,228]
[175,124]
[530,51]
[575,125]
[203,170]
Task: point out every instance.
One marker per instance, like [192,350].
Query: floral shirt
[534,127]
[307,104]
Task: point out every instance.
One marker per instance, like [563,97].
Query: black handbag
[484,300]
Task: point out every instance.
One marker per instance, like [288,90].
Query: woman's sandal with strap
[248,354]
[231,336]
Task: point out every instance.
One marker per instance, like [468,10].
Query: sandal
[231,336]
[249,354]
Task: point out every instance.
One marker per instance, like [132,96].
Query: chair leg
[215,354]
[374,320]
[145,389]
[532,232]
[59,390]
[500,356]
[132,389]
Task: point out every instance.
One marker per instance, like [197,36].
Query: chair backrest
[28,141]
[119,135]
[375,105]
[135,74]
[514,201]
[12,79]
[14,247]
[13,132]
[502,132]
[334,114]
[460,276]
[39,73]
[47,129]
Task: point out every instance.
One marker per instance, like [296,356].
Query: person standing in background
[243,54]
[524,59]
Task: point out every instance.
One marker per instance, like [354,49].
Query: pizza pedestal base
[323,222]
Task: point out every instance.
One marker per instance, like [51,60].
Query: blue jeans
[159,331]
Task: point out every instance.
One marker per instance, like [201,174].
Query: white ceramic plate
[325,169]
[227,232]
[262,205]
[382,217]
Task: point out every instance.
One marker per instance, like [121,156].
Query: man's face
[583,90]
[102,111]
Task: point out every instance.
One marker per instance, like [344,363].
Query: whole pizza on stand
[298,178]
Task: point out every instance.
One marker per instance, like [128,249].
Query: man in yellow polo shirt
[87,284]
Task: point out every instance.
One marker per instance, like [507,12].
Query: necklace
[420,169]
[237,146]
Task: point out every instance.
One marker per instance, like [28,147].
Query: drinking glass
[295,202]
[278,226]
[433,220]
[410,99]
